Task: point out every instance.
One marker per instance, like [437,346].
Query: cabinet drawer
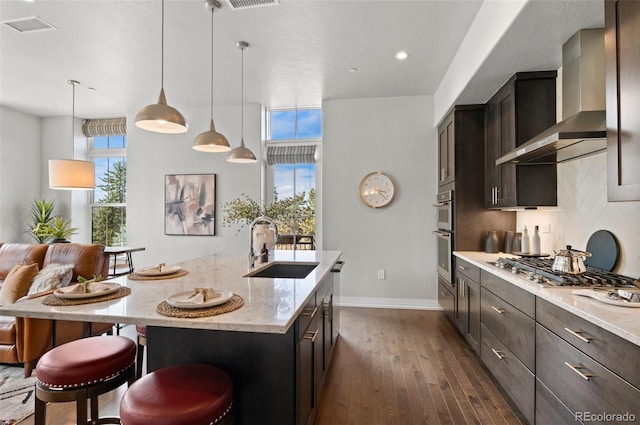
[517,297]
[445,298]
[516,380]
[550,410]
[512,327]
[615,353]
[468,269]
[580,382]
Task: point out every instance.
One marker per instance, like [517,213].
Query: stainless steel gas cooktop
[539,270]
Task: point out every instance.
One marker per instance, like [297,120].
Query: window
[108,206]
[293,136]
[295,124]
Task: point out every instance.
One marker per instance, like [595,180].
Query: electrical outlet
[381,274]
[545,228]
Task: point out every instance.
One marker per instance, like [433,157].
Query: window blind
[105,127]
[298,154]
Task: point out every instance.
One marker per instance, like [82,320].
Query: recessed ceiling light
[353,69]
[401,55]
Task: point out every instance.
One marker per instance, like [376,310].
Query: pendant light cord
[162,49]
[212,10]
[73,114]
[242,94]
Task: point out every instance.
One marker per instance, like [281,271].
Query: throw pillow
[16,285]
[50,277]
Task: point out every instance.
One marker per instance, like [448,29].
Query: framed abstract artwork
[190,204]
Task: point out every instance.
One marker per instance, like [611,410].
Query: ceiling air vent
[246,4]
[29,24]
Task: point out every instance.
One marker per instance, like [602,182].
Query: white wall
[20,172]
[151,156]
[397,136]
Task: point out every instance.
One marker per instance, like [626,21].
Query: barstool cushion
[141,330]
[85,361]
[194,394]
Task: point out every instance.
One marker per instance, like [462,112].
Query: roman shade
[105,127]
[298,154]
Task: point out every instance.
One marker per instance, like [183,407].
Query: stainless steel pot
[570,261]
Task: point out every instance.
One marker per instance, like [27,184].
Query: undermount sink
[284,270]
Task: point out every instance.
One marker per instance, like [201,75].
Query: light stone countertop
[270,305]
[621,321]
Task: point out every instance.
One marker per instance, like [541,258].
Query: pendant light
[160,117]
[241,154]
[211,140]
[72,174]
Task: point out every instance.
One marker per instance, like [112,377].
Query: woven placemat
[53,300]
[234,303]
[136,276]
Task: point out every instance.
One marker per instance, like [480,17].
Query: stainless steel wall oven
[444,235]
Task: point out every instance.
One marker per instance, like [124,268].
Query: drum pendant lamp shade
[72,174]
[160,117]
[241,154]
[211,140]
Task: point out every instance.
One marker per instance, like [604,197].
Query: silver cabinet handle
[577,335]
[498,354]
[308,312]
[311,336]
[498,310]
[575,369]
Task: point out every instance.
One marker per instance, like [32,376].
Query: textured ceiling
[300,54]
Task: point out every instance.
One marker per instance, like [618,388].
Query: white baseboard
[398,303]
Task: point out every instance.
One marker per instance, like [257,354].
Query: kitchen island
[276,347]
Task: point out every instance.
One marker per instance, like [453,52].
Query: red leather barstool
[81,370]
[141,330]
[194,394]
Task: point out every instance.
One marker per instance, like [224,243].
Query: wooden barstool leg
[41,412]
[81,406]
[94,410]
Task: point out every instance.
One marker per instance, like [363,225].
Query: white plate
[71,295]
[603,297]
[153,271]
[223,298]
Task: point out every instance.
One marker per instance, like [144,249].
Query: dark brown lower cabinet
[308,377]
[446,298]
[550,410]
[588,389]
[514,377]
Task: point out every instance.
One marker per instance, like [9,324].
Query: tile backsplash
[583,209]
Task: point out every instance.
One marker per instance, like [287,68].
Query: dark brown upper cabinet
[523,107]
[622,50]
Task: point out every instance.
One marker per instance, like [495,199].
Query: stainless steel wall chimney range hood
[583,129]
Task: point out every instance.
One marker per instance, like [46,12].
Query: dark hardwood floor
[396,367]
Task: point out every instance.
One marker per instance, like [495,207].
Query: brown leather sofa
[24,340]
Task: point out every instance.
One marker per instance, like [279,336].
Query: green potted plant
[59,230]
[41,210]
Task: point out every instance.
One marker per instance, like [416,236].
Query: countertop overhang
[271,305]
[621,321]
